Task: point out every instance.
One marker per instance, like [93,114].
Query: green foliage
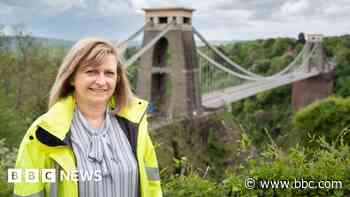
[26,76]
[281,45]
[342,72]
[191,185]
[132,76]
[11,126]
[207,145]
[268,43]
[261,66]
[7,160]
[339,48]
[329,162]
[236,52]
[278,63]
[324,118]
[132,69]
[270,110]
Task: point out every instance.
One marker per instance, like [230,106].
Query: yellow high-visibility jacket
[46,145]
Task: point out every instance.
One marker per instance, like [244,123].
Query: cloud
[54,7]
[111,8]
[284,10]
[257,9]
[62,5]
[58,4]
[219,19]
[295,7]
[5,9]
[273,18]
[21,3]
[28,11]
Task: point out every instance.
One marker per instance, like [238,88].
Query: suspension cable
[218,65]
[149,45]
[231,63]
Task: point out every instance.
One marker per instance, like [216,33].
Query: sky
[215,19]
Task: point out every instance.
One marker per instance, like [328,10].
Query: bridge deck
[221,97]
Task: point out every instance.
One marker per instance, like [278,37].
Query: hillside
[11,42]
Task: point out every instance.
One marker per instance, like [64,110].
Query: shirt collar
[57,120]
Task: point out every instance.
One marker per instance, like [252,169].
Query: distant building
[164,15]
[314,37]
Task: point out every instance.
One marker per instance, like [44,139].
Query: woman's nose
[101,79]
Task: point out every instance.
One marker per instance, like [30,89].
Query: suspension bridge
[178,77]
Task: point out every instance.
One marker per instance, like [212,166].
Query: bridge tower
[306,91]
[168,74]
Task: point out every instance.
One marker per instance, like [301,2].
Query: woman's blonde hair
[90,52]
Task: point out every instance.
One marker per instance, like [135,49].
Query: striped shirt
[105,156]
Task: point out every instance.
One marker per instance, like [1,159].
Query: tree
[301,38]
[327,117]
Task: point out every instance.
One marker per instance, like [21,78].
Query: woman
[94,126]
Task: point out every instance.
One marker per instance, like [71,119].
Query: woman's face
[94,85]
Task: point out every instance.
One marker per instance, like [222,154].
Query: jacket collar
[57,120]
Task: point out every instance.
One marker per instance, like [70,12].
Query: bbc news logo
[50,175]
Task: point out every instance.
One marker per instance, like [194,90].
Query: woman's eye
[110,73]
[90,71]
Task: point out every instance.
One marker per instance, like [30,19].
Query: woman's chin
[97,100]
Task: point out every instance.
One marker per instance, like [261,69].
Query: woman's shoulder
[138,100]
[134,110]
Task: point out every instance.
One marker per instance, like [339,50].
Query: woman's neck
[95,114]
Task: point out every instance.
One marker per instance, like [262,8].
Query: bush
[326,163]
[323,118]
[11,125]
[192,185]
[7,160]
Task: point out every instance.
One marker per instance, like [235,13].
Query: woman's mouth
[98,90]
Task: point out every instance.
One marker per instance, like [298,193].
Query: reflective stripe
[39,194]
[152,174]
[54,185]
[53,189]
